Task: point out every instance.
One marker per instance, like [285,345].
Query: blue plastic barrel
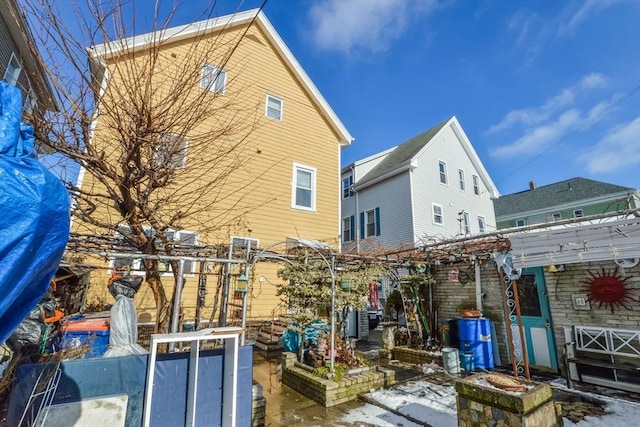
[475,337]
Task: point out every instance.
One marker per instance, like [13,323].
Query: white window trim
[255,243]
[294,187]
[446,177]
[461,181]
[218,73]
[136,263]
[348,235]
[482,224]
[183,160]
[17,70]
[476,185]
[433,214]
[466,222]
[366,223]
[281,110]
[348,190]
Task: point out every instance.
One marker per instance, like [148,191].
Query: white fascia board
[473,155]
[216,24]
[368,159]
[339,128]
[408,166]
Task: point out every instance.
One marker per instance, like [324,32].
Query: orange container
[87,325]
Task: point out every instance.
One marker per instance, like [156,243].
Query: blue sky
[546,90]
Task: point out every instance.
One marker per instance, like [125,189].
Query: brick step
[270,346]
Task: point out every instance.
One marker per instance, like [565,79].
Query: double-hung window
[274,108]
[303,188]
[466,224]
[461,179]
[482,227]
[370,223]
[442,170]
[476,185]
[437,214]
[213,79]
[12,74]
[347,184]
[348,229]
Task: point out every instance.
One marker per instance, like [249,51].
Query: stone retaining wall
[414,356]
[328,392]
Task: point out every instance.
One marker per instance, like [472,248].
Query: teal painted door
[536,319]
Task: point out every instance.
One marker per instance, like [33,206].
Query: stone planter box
[415,356]
[481,404]
[328,392]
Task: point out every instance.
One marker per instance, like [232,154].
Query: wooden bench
[604,356]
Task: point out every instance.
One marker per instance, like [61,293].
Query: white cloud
[371,25]
[619,149]
[587,9]
[566,97]
[541,137]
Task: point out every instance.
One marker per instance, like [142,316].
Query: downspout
[478,287]
[356,217]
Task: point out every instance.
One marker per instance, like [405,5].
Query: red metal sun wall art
[609,289]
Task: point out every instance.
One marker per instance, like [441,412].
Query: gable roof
[401,157]
[548,196]
[99,53]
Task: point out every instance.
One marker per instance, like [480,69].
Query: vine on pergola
[307,289]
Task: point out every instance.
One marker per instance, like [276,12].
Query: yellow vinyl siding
[303,137]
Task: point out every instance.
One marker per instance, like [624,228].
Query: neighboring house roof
[197,29]
[21,35]
[400,158]
[549,196]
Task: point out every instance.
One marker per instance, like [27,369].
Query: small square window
[274,107]
[521,223]
[578,213]
[213,79]
[442,169]
[437,214]
[171,151]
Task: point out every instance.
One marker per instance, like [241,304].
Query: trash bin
[83,331]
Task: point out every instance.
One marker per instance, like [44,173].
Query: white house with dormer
[430,188]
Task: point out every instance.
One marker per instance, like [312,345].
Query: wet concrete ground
[286,407]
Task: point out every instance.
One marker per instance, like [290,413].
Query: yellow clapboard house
[282,176]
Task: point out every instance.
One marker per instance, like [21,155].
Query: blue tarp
[291,338]
[34,224]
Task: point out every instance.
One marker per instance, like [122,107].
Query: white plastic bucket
[450,360]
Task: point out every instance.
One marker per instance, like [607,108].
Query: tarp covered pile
[34,219]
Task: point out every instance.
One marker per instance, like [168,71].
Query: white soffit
[614,240]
